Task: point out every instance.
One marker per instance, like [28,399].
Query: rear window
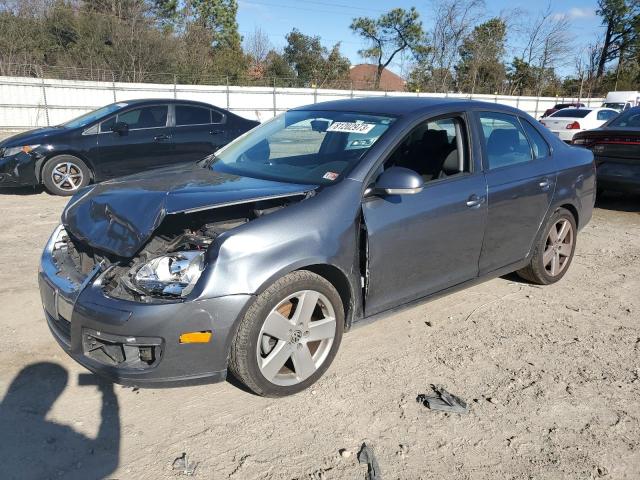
[572,113]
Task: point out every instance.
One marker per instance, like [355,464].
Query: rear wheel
[65,174]
[289,336]
[553,250]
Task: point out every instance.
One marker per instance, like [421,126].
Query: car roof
[155,101]
[404,106]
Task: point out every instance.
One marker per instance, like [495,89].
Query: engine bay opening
[170,263]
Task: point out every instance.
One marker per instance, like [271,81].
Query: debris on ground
[443,401]
[344,453]
[366,455]
[183,466]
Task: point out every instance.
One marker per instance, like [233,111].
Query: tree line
[198,42]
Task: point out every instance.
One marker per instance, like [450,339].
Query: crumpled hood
[119,216]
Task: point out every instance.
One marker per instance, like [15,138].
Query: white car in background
[567,122]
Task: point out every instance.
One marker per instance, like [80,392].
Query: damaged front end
[168,266]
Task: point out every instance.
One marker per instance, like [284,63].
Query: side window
[216,116]
[107,124]
[504,140]
[435,149]
[606,114]
[145,117]
[189,115]
[538,143]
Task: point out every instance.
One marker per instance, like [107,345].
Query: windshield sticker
[351,127]
[330,176]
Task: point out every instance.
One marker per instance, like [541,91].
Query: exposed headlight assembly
[15,150]
[174,274]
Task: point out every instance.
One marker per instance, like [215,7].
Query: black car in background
[616,148]
[115,140]
[560,106]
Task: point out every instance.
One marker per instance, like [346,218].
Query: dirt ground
[551,375]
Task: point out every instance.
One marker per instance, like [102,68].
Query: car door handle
[216,132]
[159,138]
[474,201]
[545,184]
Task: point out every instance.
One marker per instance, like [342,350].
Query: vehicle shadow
[619,201]
[34,447]
[21,190]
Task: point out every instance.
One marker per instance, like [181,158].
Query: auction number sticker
[351,127]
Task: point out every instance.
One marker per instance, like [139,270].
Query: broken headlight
[174,274]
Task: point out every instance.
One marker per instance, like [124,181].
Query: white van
[621,100]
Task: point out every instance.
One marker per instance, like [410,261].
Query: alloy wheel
[558,247]
[67,176]
[296,337]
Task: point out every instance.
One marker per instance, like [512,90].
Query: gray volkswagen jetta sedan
[257,259]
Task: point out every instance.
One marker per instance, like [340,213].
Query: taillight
[573,126]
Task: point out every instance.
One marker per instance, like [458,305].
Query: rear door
[146,144]
[198,132]
[521,178]
[425,242]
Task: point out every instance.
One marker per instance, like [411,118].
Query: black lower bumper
[138,344]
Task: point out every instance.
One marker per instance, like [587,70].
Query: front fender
[321,230]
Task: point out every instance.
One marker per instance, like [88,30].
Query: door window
[190,115]
[538,144]
[145,117]
[505,142]
[435,149]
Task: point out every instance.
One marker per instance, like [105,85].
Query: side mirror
[121,128]
[399,181]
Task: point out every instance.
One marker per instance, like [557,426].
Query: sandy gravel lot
[551,375]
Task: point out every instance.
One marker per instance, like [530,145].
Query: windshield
[630,118]
[615,106]
[303,146]
[90,117]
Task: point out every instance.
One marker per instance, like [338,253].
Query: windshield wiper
[207,161]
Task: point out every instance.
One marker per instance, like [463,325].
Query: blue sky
[330,19]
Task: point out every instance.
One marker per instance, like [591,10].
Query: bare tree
[453,22]
[547,44]
[257,45]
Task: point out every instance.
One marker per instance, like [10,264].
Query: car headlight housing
[174,274]
[15,150]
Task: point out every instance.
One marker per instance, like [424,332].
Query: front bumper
[86,323]
[18,171]
[618,176]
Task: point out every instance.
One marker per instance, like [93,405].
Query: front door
[422,243]
[145,145]
[521,178]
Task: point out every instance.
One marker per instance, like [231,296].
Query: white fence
[33,102]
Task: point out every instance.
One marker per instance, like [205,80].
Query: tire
[65,174]
[289,337]
[551,258]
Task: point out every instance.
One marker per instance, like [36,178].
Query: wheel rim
[558,248]
[296,337]
[67,176]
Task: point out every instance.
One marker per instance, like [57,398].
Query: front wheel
[289,336]
[553,250]
[65,175]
